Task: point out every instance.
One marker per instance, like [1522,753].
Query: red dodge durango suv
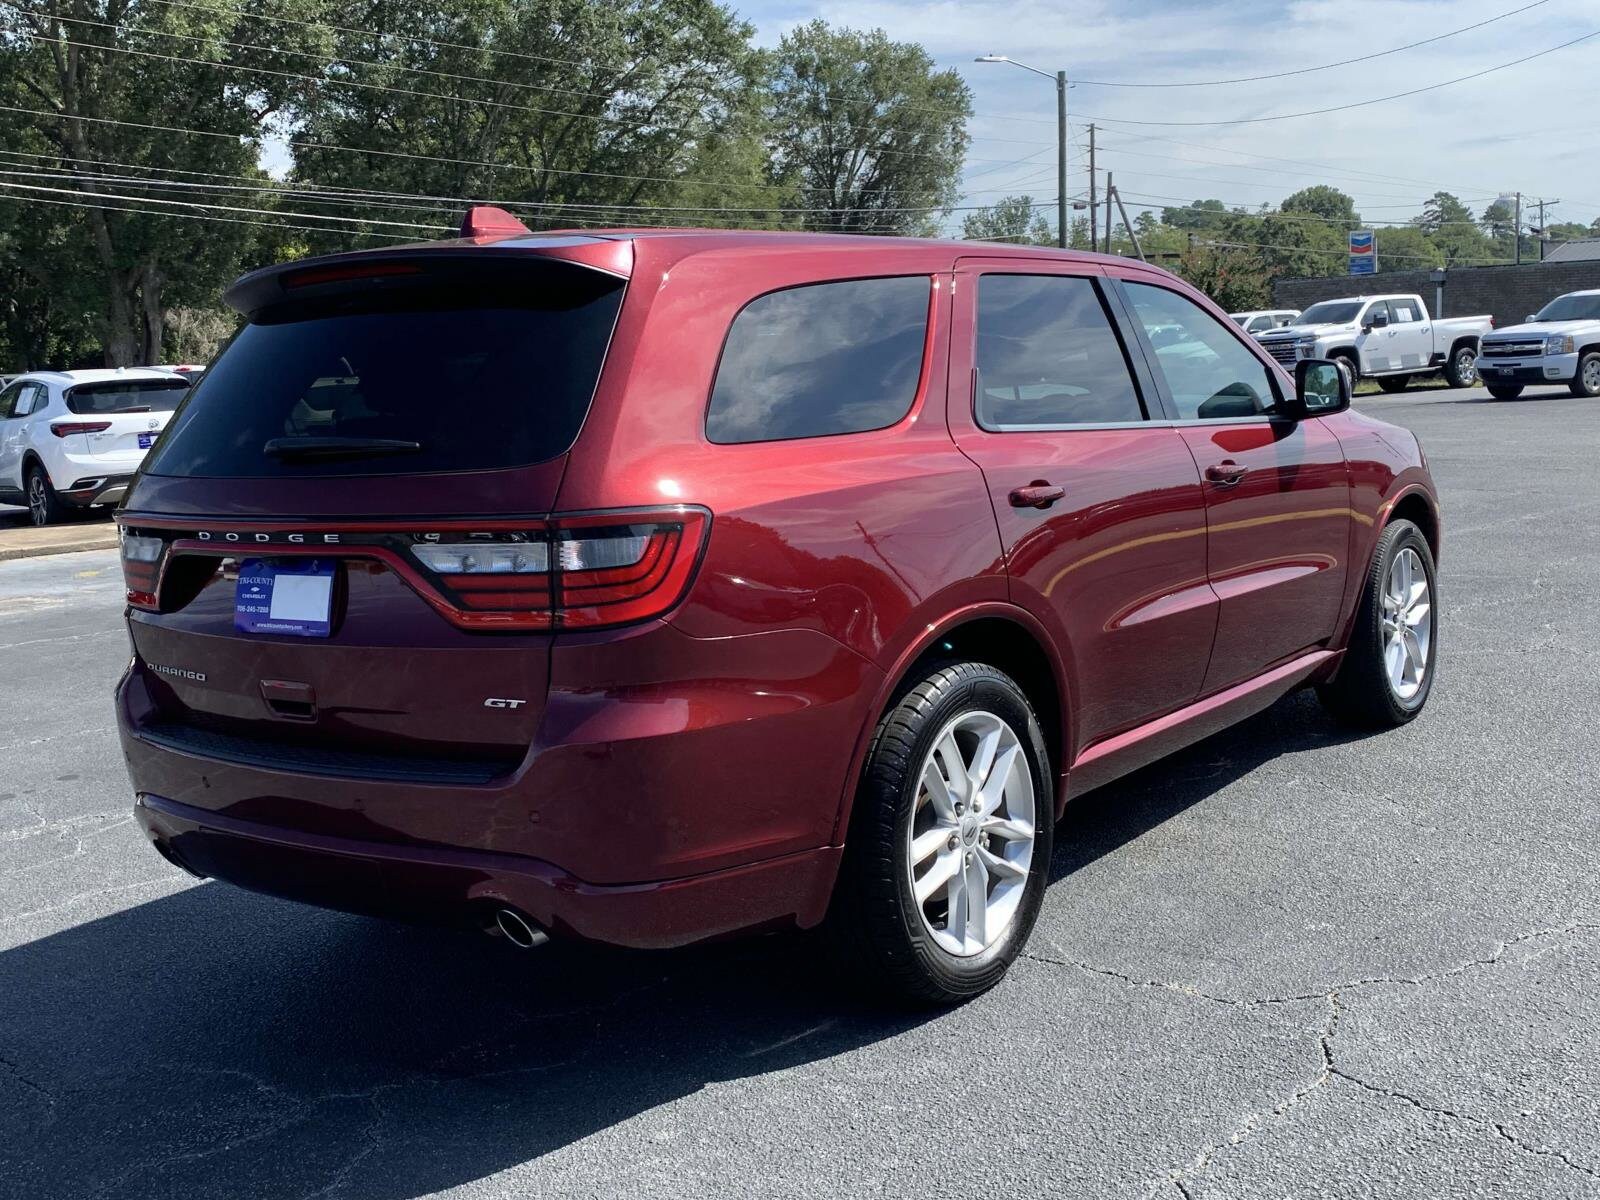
[650,586]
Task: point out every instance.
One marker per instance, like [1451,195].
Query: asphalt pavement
[1287,962]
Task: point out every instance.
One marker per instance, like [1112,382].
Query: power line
[1317,112]
[495,50]
[1345,62]
[194,216]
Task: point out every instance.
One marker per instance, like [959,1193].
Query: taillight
[141,568]
[67,428]
[578,573]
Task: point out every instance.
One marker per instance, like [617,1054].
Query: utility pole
[1094,225]
[1110,188]
[1544,230]
[1516,230]
[1063,205]
[1133,234]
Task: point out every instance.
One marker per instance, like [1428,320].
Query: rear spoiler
[314,278]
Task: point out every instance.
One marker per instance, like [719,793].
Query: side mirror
[1532,317]
[1320,389]
[1378,320]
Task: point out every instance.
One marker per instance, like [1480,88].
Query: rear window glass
[131,396]
[479,372]
[822,359]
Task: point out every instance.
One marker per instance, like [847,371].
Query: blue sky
[1524,128]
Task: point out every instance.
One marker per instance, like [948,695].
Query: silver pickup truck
[1387,338]
[1559,344]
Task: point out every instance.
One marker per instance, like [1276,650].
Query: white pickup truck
[1387,338]
[1559,344]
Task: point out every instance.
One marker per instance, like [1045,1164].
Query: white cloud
[1518,129]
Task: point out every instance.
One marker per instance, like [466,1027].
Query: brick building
[1510,293]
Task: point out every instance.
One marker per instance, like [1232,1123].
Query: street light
[1061,137]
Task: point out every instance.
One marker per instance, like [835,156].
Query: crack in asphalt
[15,1071]
[1495,1127]
[1180,1177]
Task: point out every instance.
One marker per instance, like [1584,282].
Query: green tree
[1011,219]
[592,111]
[1323,201]
[83,67]
[867,131]
[1237,279]
[1406,248]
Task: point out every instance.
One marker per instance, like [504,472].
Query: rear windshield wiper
[337,447]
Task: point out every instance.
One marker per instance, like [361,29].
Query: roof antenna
[487,221]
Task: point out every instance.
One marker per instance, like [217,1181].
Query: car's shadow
[1524,398]
[216,1043]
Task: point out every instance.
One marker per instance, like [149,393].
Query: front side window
[1209,373]
[1047,355]
[821,359]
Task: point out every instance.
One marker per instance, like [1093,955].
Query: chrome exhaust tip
[518,930]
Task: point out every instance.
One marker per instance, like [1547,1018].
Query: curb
[97,539]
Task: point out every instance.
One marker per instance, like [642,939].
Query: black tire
[1505,391]
[1394,383]
[44,506]
[875,922]
[1352,374]
[1590,364]
[1361,695]
[1461,368]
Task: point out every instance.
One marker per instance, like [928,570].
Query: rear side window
[136,396]
[479,371]
[1047,355]
[822,359]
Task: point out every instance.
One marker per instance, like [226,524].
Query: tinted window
[1209,373]
[492,370]
[1576,306]
[822,359]
[1331,312]
[1374,312]
[8,400]
[135,396]
[1047,355]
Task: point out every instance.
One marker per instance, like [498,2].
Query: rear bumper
[466,887]
[89,489]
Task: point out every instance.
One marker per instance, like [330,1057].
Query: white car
[1262,319]
[1558,344]
[72,439]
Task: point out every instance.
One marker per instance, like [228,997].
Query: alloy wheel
[1466,366]
[1591,376]
[1407,623]
[972,832]
[38,500]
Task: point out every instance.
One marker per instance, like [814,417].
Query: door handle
[1038,494]
[1226,473]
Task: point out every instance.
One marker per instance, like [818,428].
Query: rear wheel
[1394,383]
[1461,369]
[1587,381]
[1389,665]
[1505,391]
[44,506]
[949,846]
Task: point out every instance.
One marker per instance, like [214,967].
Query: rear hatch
[118,420]
[335,556]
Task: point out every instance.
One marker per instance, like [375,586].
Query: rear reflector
[67,428]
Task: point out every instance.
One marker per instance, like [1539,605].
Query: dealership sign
[1363,256]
